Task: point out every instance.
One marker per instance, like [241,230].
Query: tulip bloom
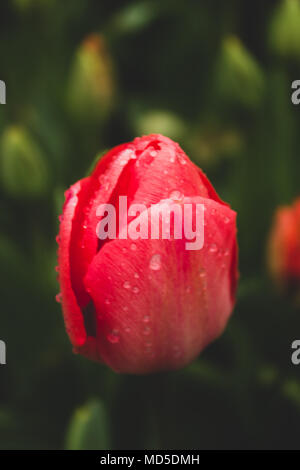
[146,304]
[284,246]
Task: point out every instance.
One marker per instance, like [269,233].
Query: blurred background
[85,75]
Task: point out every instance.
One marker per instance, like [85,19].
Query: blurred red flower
[284,246]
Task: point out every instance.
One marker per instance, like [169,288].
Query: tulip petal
[158,315]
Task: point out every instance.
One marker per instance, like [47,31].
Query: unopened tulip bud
[284,35]
[91,88]
[23,164]
[284,248]
[239,78]
[142,290]
[166,122]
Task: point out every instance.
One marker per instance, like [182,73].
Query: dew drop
[155,262]
[153,153]
[213,248]
[58,297]
[127,329]
[133,246]
[136,276]
[147,331]
[146,318]
[125,308]
[202,273]
[61,217]
[226,220]
[135,290]
[176,195]
[107,301]
[126,285]
[113,337]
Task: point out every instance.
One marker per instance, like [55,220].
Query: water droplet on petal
[147,331]
[61,217]
[126,285]
[176,195]
[202,272]
[135,290]
[58,297]
[213,248]
[153,153]
[136,276]
[127,329]
[133,246]
[107,301]
[155,262]
[146,318]
[226,220]
[113,337]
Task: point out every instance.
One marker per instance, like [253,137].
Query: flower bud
[284,247]
[239,78]
[91,88]
[284,34]
[23,165]
[146,297]
[153,121]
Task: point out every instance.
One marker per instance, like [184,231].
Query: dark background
[216,77]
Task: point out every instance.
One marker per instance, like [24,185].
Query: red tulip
[150,304]
[284,246]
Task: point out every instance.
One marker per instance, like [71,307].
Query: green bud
[212,143]
[24,5]
[22,163]
[160,122]
[91,88]
[284,32]
[239,77]
[88,429]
